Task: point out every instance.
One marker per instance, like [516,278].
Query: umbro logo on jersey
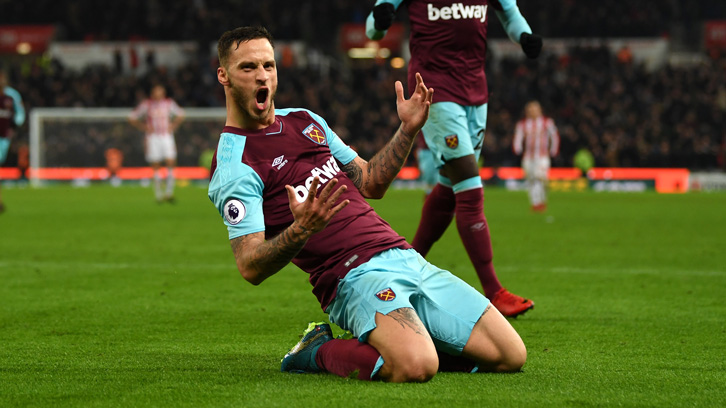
[234,211]
[279,162]
[315,134]
[458,11]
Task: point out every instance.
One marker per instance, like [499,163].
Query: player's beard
[247,103]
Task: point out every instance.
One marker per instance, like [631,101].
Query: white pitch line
[110,265]
[231,266]
[616,270]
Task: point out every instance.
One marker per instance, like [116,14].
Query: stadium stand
[624,114]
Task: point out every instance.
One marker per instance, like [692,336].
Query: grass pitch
[108,299]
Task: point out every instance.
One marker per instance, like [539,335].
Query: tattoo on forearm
[271,255]
[407,317]
[382,169]
[386,164]
[280,250]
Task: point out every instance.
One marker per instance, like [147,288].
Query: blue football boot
[301,358]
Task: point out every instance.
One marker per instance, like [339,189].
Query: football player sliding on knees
[289,190]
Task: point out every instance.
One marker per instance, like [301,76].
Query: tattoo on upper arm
[355,173]
[407,317]
[237,244]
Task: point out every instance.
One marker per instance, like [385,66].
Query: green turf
[108,299]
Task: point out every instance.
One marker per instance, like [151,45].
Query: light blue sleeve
[236,190]
[19,118]
[371,31]
[512,20]
[341,151]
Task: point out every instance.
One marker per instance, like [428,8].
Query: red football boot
[539,208]
[511,305]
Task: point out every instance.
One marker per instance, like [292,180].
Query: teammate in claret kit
[448,47]
[12,115]
[290,190]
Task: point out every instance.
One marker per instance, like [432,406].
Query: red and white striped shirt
[539,137]
[158,114]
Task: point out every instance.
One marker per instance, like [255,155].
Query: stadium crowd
[613,107]
[623,114]
[318,22]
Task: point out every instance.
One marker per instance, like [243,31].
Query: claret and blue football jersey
[250,170]
[448,44]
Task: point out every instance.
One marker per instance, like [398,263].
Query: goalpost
[71,143]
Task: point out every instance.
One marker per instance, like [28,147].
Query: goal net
[73,143]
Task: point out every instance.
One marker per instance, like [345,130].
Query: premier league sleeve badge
[234,211]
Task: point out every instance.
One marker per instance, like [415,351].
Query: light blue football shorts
[427,167]
[397,278]
[4,147]
[454,131]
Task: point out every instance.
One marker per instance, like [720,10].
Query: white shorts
[536,167]
[160,147]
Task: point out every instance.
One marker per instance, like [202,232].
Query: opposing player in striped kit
[290,190]
[448,47]
[536,136]
[162,117]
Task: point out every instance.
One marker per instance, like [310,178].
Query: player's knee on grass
[513,358]
[408,351]
[409,362]
[506,359]
[495,345]
[411,367]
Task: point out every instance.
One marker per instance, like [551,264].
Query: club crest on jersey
[234,211]
[386,295]
[314,133]
[452,141]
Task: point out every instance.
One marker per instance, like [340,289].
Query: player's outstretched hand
[413,112]
[531,44]
[383,16]
[314,213]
